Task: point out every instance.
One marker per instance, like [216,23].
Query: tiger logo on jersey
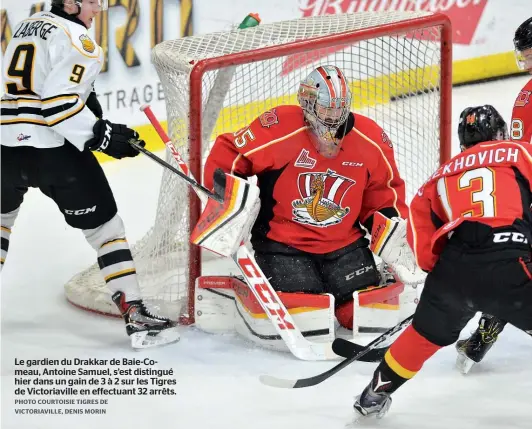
[87,43]
[321,197]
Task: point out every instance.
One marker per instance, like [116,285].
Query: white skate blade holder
[147,339]
[463,363]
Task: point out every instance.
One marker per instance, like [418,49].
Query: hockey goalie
[327,179]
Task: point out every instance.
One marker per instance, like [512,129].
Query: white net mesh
[394,79]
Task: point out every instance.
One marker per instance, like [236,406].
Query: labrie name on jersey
[521,125]
[488,183]
[308,201]
[49,68]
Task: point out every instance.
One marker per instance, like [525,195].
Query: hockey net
[399,66]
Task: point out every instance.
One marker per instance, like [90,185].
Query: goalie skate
[143,327]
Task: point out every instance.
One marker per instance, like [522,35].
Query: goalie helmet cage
[399,65]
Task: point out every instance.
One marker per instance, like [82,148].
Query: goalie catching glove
[223,226]
[388,241]
[113,139]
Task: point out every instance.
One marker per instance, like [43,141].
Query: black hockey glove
[113,140]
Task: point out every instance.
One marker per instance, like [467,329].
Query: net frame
[202,61]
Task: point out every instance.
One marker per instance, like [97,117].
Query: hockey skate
[473,349]
[143,327]
[371,403]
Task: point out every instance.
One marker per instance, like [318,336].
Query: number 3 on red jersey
[474,194]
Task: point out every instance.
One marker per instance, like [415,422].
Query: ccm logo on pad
[504,237]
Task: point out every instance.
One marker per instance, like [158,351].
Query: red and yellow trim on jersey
[396,367]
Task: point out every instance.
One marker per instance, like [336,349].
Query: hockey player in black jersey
[51,122]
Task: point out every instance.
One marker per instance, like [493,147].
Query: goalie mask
[523,45]
[325,98]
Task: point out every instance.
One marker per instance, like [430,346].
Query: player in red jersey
[521,125]
[324,174]
[473,349]
[470,227]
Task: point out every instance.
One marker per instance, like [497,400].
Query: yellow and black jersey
[48,72]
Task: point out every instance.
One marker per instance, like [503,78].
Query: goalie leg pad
[223,226]
[372,309]
[312,314]
[225,304]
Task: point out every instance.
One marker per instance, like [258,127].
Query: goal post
[399,65]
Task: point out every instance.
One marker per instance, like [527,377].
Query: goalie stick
[272,381]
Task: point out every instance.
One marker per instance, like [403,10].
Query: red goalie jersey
[521,125]
[310,202]
[489,183]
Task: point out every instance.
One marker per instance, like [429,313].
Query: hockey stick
[257,281]
[348,349]
[190,180]
[269,380]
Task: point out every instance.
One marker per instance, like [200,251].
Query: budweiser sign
[464,15]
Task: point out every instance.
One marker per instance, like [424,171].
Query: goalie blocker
[223,226]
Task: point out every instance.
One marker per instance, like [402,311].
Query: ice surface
[217,376]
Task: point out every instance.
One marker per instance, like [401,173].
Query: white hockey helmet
[325,98]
